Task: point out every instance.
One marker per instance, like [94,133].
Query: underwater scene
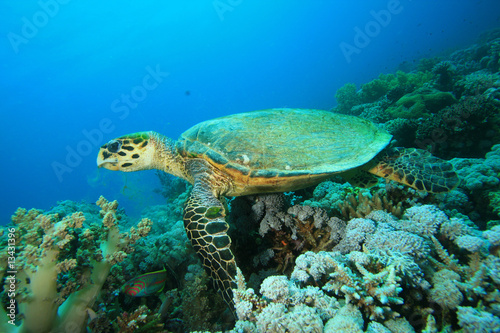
[250,166]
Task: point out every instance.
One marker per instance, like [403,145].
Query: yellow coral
[66,265]
[362,204]
[41,240]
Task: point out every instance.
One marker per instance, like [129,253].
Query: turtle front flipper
[360,178]
[416,168]
[207,229]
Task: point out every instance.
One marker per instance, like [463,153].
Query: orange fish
[146,284]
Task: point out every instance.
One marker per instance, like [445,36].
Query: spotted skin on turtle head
[124,153]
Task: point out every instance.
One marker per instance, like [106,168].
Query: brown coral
[141,320]
[311,232]
[362,204]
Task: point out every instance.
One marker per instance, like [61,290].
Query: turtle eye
[114,146]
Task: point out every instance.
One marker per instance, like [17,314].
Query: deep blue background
[63,77]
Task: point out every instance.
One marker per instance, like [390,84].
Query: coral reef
[328,195]
[141,320]
[388,84]
[479,174]
[347,97]
[58,266]
[330,258]
[466,128]
[365,202]
[445,71]
[448,106]
[421,103]
[200,306]
[283,307]
[383,273]
[474,320]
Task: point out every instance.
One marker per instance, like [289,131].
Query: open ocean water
[74,74]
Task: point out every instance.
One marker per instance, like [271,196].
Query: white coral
[312,264]
[425,220]
[454,228]
[275,288]
[477,321]
[276,318]
[445,291]
[357,230]
[470,243]
[399,241]
[493,235]
[347,319]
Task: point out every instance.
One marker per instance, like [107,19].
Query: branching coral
[476,281]
[283,307]
[141,320]
[347,319]
[477,321]
[364,203]
[423,220]
[380,231]
[268,209]
[311,230]
[445,291]
[382,255]
[476,83]
[287,233]
[495,202]
[46,248]
[478,176]
[351,277]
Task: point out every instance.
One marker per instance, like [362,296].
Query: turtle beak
[109,163]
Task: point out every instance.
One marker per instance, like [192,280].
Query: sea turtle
[274,150]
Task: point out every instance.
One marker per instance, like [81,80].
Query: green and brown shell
[283,149]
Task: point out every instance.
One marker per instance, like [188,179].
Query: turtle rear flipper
[416,168]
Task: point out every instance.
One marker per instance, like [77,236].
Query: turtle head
[132,152]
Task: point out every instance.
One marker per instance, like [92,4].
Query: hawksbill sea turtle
[276,150]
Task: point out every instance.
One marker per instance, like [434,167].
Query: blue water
[75,74]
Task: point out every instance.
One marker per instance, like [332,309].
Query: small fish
[146,284]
